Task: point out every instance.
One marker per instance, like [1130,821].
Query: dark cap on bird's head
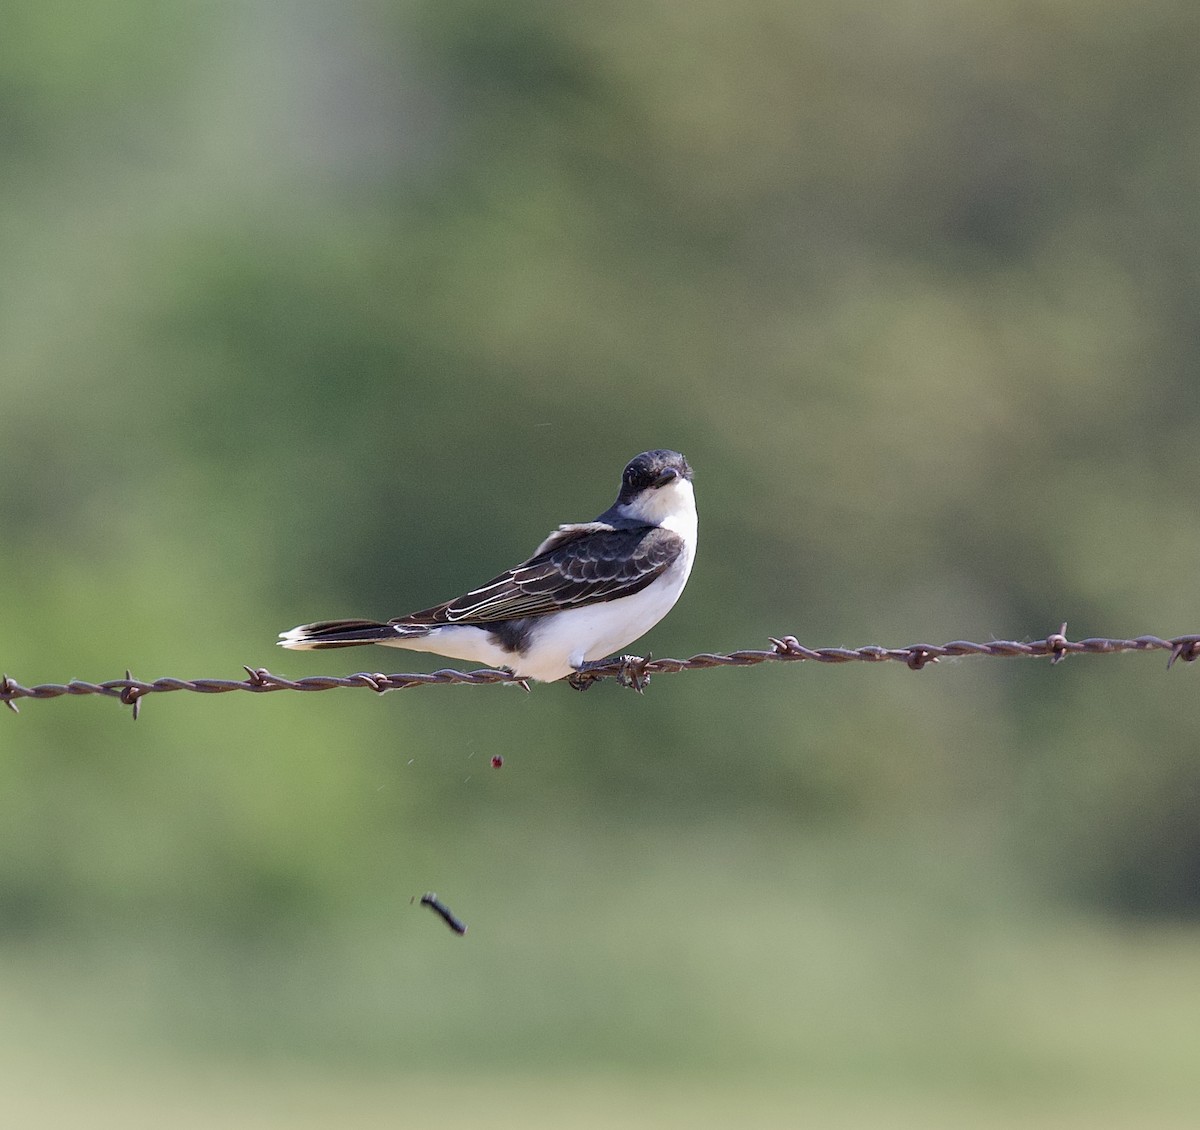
[652,469]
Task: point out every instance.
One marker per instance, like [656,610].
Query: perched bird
[589,590]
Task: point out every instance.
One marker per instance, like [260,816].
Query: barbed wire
[629,670]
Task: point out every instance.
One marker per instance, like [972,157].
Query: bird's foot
[583,677]
[630,673]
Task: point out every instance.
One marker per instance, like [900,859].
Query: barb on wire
[629,670]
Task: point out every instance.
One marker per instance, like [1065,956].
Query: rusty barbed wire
[629,670]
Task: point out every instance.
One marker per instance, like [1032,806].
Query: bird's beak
[668,476]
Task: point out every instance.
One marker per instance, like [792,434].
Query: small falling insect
[497,761]
[435,904]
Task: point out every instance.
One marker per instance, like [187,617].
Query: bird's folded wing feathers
[575,566]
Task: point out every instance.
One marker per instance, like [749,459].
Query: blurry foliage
[339,311]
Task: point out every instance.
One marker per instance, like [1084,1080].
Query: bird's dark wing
[575,566]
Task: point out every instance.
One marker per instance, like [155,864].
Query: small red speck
[497,761]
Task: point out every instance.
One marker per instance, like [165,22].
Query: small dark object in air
[497,761]
[444,912]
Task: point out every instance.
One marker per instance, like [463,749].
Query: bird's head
[654,485]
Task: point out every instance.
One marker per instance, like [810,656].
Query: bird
[590,589]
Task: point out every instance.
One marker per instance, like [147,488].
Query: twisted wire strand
[629,670]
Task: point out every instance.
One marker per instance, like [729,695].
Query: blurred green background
[316,309]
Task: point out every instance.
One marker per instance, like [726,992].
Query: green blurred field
[318,310]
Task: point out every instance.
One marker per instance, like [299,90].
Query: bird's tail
[343,633]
